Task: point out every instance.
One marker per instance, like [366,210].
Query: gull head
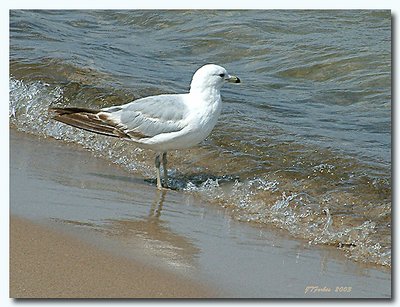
[211,76]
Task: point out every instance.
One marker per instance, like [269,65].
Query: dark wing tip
[70,110]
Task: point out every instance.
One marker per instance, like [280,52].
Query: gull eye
[222,75]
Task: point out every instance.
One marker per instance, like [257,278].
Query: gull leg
[158,162]
[164,163]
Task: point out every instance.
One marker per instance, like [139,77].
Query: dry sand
[48,264]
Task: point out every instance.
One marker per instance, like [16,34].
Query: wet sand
[47,264]
[82,227]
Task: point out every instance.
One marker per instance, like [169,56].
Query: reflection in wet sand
[154,237]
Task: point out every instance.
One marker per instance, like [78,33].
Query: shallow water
[64,186]
[303,144]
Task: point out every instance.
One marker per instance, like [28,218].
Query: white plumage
[161,123]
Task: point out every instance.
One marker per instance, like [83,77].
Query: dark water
[304,143]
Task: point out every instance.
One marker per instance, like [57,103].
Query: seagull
[161,123]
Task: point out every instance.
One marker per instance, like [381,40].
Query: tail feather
[87,119]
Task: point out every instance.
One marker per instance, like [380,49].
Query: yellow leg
[164,161]
[157,162]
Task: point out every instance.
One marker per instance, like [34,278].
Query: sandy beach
[289,196]
[82,227]
[47,264]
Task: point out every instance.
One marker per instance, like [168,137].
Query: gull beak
[233,79]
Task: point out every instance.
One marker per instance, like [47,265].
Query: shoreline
[45,263]
[64,187]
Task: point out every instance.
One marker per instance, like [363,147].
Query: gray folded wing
[150,116]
